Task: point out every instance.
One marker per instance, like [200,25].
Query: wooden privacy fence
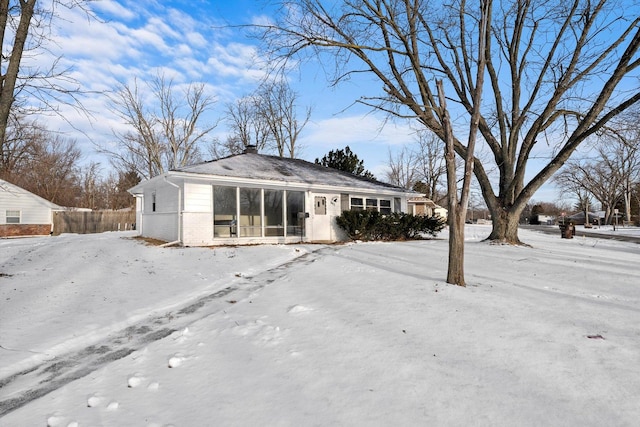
[92,222]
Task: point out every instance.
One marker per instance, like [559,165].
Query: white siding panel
[166,198]
[160,226]
[31,210]
[197,197]
[197,228]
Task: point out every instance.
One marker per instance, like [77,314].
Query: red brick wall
[11,230]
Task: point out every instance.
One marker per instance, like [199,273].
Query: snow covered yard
[357,334]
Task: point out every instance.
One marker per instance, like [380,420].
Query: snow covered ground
[103,330]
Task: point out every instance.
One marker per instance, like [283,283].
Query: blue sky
[192,41]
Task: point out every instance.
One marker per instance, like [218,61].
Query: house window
[13,217]
[357,204]
[385,207]
[372,204]
[273,213]
[225,212]
[250,212]
[255,212]
[153,202]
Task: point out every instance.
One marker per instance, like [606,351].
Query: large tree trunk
[10,77]
[505,225]
[455,272]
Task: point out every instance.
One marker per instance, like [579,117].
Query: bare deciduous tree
[18,147]
[268,118]
[611,174]
[402,168]
[52,172]
[277,107]
[165,132]
[27,85]
[621,151]
[430,163]
[557,72]
[246,124]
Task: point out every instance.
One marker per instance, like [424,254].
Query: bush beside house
[372,225]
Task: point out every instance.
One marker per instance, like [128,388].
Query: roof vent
[251,149]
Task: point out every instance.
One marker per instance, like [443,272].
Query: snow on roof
[273,168]
[421,199]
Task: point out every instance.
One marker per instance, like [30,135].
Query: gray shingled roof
[272,168]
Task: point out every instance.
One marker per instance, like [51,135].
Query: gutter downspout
[179,241]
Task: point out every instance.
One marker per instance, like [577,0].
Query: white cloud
[113,8]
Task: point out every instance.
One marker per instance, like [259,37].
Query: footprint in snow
[175,361]
[135,380]
[58,421]
[54,421]
[93,401]
[297,309]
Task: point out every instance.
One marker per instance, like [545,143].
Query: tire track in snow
[38,381]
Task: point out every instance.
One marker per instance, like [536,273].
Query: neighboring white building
[22,213]
[420,205]
[253,198]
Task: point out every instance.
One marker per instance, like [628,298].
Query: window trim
[385,210]
[384,205]
[356,206]
[13,214]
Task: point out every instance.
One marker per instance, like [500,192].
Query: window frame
[13,216]
[293,202]
[385,210]
[356,206]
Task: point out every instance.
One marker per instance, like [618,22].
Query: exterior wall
[31,209]
[36,218]
[197,217]
[160,226]
[161,223]
[323,227]
[197,228]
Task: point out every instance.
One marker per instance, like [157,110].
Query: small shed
[252,198]
[23,213]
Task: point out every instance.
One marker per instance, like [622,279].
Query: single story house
[252,198]
[579,218]
[421,205]
[23,213]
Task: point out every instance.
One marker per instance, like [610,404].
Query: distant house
[541,219]
[22,213]
[420,205]
[579,218]
[253,198]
